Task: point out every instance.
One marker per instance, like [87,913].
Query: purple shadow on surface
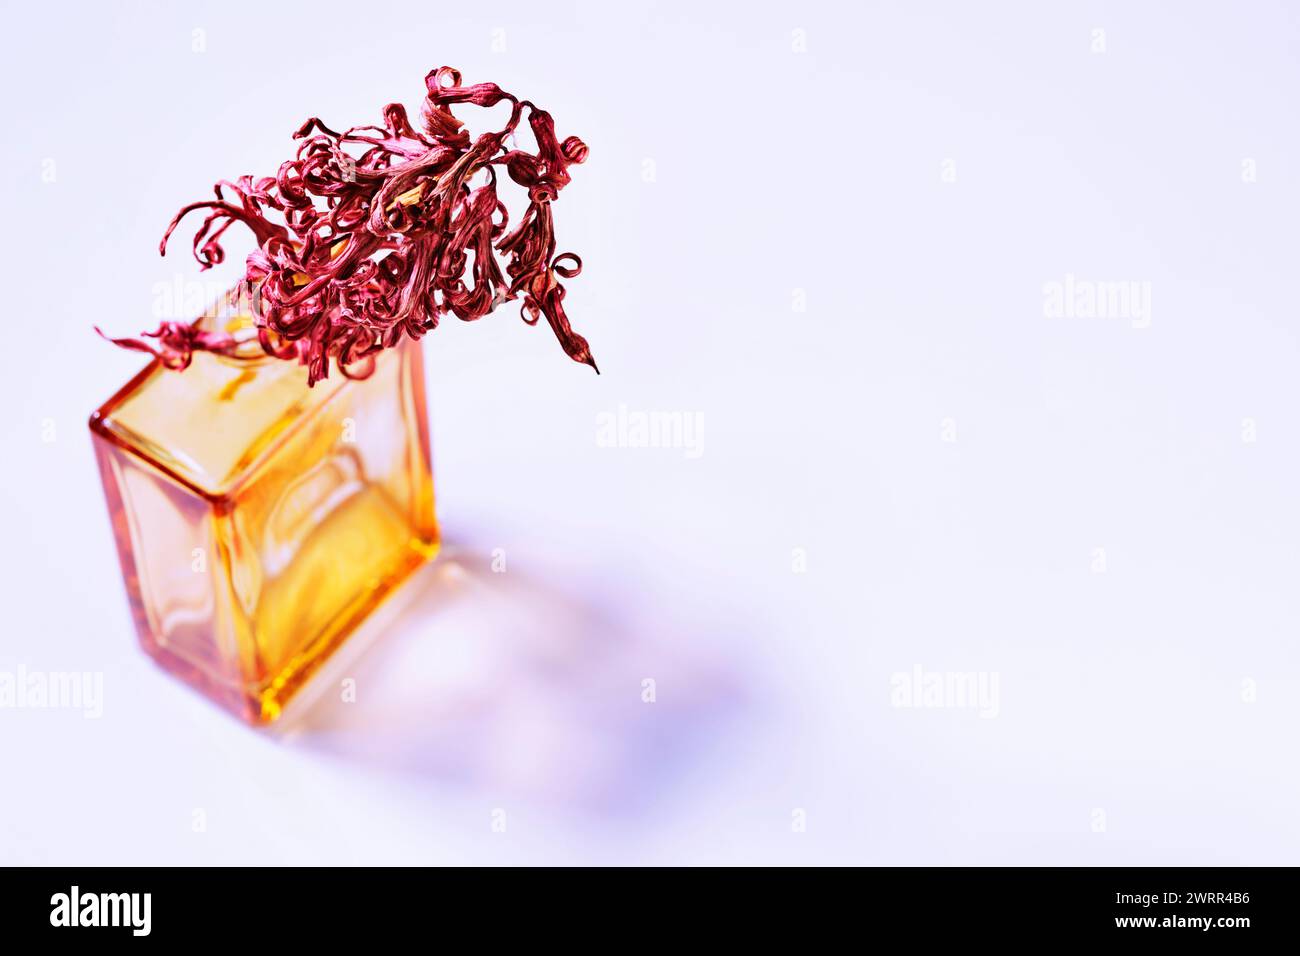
[517,686]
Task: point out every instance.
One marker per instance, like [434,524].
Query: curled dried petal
[382,230]
[177,343]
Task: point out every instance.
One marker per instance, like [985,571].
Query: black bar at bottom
[241,906]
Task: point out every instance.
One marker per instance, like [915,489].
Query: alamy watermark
[953,690]
[629,428]
[75,908]
[53,690]
[1075,298]
[184,298]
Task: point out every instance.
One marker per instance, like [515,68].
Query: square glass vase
[258,521]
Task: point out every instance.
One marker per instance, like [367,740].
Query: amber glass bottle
[259,521]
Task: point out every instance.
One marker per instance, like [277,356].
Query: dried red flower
[379,246]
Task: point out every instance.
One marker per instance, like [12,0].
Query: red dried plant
[378,246]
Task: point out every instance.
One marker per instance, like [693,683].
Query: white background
[734,162]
